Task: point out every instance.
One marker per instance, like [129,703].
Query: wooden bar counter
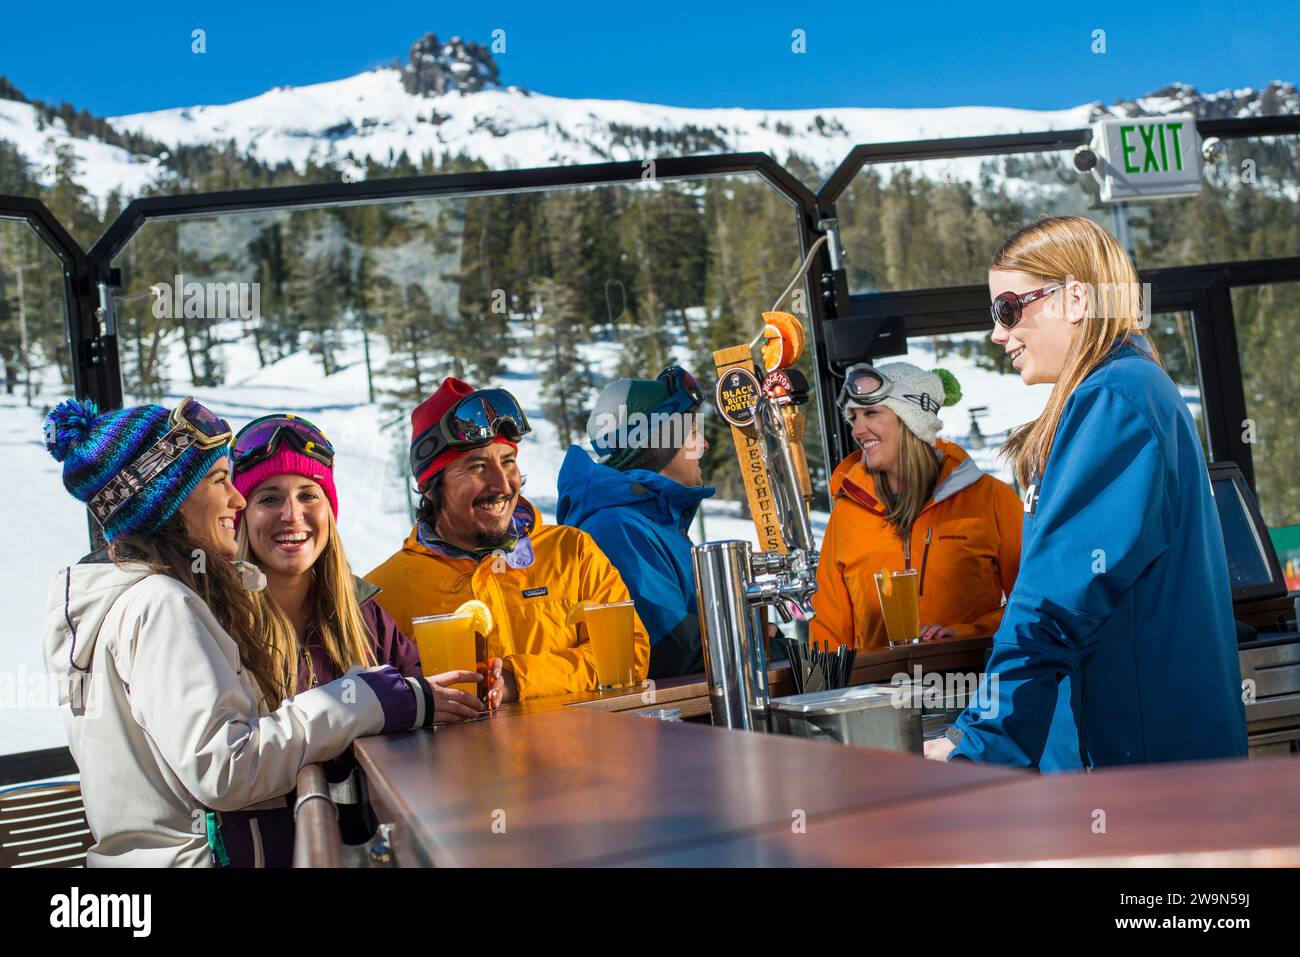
[578,780]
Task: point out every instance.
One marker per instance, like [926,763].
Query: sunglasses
[474,420]
[264,436]
[1008,307]
[192,424]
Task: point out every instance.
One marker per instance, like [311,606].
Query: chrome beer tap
[734,584]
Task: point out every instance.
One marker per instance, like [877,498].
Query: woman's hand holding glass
[452,704]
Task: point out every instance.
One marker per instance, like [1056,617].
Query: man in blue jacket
[638,503]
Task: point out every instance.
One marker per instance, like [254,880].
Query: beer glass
[447,643]
[609,629]
[898,603]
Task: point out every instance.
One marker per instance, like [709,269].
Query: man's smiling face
[479,493]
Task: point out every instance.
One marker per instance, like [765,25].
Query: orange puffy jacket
[529,604]
[965,546]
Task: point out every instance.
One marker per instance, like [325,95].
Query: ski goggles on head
[475,420]
[265,436]
[684,392]
[864,385]
[192,424]
[207,430]
[679,380]
[1008,307]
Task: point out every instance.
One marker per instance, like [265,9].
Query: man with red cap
[476,537]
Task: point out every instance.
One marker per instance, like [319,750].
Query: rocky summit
[435,68]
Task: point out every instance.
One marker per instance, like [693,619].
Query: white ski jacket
[165,726]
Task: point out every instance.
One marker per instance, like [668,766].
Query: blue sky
[133,56]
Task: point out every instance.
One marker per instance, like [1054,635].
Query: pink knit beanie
[289,461]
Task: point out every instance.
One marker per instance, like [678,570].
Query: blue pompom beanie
[95,447]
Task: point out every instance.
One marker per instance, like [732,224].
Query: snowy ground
[47,528]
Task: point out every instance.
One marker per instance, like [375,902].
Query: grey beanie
[917,397]
[622,429]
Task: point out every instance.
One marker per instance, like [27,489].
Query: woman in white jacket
[186,743]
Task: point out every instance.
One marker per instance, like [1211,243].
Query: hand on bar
[938,749]
[930,632]
[501,687]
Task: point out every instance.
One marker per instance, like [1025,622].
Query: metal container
[730,629]
[865,715]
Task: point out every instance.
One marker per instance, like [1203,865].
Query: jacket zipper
[925,556]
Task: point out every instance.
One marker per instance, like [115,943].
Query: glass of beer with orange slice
[455,642]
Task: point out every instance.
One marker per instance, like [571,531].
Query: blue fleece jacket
[1118,644]
[641,520]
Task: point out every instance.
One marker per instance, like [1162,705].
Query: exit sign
[1147,157]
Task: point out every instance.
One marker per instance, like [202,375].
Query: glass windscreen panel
[352,315]
[1267,318]
[45,527]
[932,223]
[1174,335]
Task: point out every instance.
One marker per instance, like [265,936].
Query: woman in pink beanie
[323,619]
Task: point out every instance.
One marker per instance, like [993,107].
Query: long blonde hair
[918,471]
[335,613]
[1055,250]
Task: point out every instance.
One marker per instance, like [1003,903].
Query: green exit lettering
[1157,139]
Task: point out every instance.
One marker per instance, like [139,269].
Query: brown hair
[918,472]
[335,611]
[1058,249]
[172,551]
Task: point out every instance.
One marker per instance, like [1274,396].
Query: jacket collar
[588,487]
[518,549]
[364,590]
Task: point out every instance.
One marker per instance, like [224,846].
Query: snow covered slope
[102,166]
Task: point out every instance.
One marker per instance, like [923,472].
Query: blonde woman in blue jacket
[1118,644]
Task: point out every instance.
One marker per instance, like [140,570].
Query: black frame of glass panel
[80,327]
[317,195]
[1203,288]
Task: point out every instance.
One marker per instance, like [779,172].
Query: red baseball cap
[430,412]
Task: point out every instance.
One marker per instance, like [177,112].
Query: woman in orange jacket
[909,499]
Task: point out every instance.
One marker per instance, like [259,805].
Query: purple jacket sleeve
[407,702]
[391,646]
